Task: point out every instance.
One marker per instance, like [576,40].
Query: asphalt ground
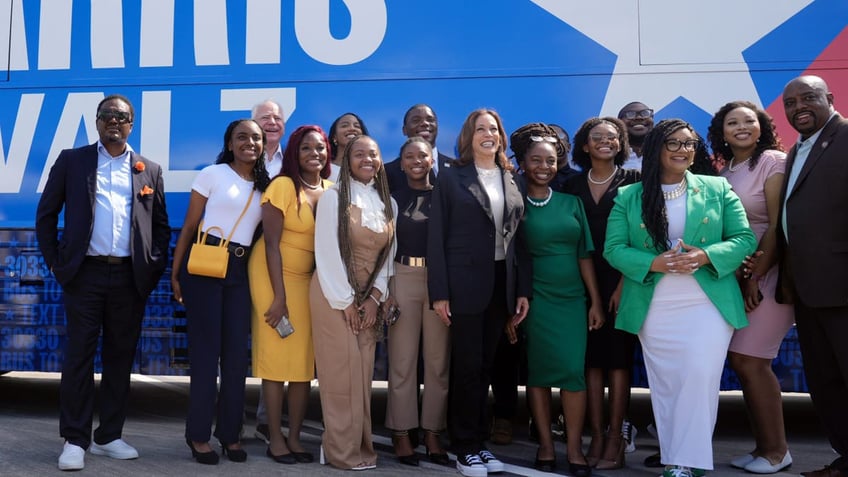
[30,442]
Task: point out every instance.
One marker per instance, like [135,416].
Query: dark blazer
[815,263]
[461,242]
[397,178]
[72,185]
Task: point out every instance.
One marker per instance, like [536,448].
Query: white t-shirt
[226,193]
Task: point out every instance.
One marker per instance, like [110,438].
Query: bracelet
[371,296]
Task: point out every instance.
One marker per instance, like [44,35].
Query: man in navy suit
[813,251]
[419,120]
[109,257]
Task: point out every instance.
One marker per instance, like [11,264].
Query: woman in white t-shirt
[224,195]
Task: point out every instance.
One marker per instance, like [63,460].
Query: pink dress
[770,321]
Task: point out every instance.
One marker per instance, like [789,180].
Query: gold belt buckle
[416,261]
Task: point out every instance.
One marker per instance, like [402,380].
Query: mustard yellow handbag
[211,260]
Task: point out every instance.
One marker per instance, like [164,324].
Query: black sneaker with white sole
[470,465]
[492,463]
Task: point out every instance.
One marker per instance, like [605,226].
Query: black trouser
[218,318]
[101,296]
[505,378]
[822,334]
[474,340]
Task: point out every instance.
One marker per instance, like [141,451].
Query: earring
[725,143]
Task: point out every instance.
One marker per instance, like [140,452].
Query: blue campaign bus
[190,67]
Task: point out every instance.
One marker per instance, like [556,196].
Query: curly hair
[381,183]
[466,136]
[291,157]
[768,139]
[581,138]
[226,156]
[521,140]
[334,146]
[653,204]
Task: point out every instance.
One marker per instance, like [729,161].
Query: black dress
[607,348]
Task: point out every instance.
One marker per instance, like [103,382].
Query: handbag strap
[225,241]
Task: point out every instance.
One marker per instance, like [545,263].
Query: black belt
[110,259]
[236,249]
[412,261]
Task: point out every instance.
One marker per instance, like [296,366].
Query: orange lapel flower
[139,167]
[145,191]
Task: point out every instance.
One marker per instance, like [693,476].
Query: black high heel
[282,458]
[207,458]
[544,465]
[409,459]
[579,470]
[235,455]
[440,458]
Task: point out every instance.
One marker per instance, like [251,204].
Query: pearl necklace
[593,181]
[541,203]
[677,192]
[730,165]
[310,186]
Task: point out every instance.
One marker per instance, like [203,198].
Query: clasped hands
[361,317]
[681,259]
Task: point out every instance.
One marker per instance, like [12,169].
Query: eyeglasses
[120,116]
[674,145]
[601,137]
[550,139]
[645,113]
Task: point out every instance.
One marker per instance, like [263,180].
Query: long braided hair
[521,140]
[345,243]
[291,158]
[721,150]
[653,204]
[226,156]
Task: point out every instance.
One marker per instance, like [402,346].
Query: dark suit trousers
[822,333]
[218,317]
[474,340]
[101,296]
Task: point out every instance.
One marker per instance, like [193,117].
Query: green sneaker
[696,472]
[677,471]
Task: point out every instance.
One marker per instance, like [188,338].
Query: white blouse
[329,266]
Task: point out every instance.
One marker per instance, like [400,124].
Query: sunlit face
[540,163]
[416,160]
[741,129]
[673,164]
[270,118]
[114,121]
[347,128]
[808,105]
[421,121]
[604,142]
[486,139]
[312,153]
[246,142]
[365,160]
[641,123]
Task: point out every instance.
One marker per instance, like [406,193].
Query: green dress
[557,236]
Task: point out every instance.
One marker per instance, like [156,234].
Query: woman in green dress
[558,238]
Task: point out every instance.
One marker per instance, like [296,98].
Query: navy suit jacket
[397,178]
[461,242]
[814,265]
[72,185]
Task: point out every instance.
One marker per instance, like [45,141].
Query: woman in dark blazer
[479,275]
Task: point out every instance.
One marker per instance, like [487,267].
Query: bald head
[808,104]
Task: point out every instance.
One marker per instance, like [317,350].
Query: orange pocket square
[146,190]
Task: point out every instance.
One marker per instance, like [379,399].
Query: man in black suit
[113,249]
[813,249]
[419,120]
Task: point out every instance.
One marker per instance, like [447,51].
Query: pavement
[30,443]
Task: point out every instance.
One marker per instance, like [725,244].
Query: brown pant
[416,320]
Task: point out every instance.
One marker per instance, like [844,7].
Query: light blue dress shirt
[110,234]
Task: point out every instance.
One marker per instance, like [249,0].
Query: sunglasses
[645,113]
[550,139]
[120,116]
[601,137]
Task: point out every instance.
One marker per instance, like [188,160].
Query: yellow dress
[291,358]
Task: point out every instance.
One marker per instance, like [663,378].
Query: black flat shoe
[544,465]
[207,458]
[282,458]
[411,459]
[653,460]
[579,470]
[303,457]
[439,458]
[235,455]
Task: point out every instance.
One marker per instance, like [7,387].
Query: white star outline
[668,49]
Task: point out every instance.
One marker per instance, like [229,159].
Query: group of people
[697,257]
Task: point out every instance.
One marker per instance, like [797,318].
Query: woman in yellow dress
[280,269]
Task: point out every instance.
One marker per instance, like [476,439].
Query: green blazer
[715,222]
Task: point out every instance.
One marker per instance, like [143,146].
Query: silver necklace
[541,203]
[735,167]
[593,181]
[310,186]
[677,192]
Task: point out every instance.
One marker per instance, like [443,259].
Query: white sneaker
[117,449]
[492,463]
[470,465]
[629,432]
[72,458]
